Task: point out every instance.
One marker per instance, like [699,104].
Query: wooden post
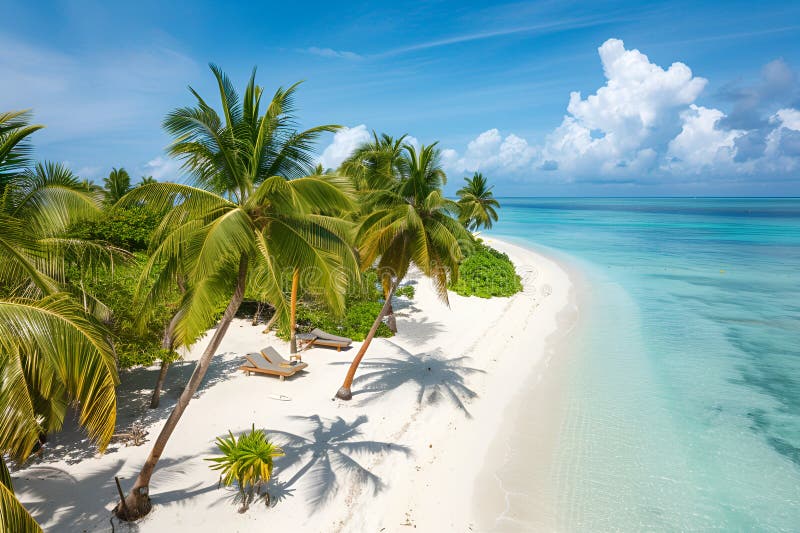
[293,311]
[121,497]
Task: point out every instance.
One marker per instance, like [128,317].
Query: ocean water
[681,382]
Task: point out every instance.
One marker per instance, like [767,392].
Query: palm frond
[14,147]
[13,516]
[57,334]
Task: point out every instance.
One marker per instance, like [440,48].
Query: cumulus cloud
[623,125]
[751,104]
[701,145]
[645,121]
[787,118]
[344,142]
[491,151]
[783,142]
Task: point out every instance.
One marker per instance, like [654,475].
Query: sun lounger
[260,365]
[272,356]
[318,337]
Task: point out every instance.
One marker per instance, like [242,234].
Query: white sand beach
[406,452]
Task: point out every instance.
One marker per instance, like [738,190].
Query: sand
[407,452]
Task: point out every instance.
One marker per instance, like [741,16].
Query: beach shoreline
[413,448]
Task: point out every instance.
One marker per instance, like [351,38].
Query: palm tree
[409,224]
[377,164]
[146,180]
[320,170]
[14,147]
[116,185]
[335,213]
[476,203]
[52,353]
[248,211]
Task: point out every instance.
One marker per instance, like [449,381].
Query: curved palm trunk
[137,503]
[293,311]
[391,322]
[167,344]
[344,392]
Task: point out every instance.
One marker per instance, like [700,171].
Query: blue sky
[675,98]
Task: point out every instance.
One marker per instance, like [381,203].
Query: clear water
[682,390]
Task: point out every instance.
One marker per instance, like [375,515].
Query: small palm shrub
[246,461]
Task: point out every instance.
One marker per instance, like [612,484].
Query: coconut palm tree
[14,145]
[52,353]
[334,212]
[476,203]
[377,164]
[409,224]
[116,185]
[248,212]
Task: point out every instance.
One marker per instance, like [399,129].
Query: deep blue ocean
[683,382]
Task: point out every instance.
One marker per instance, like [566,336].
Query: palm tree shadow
[72,445]
[434,375]
[278,491]
[84,503]
[420,330]
[323,455]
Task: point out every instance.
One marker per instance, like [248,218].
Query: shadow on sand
[84,505]
[322,456]
[133,405]
[433,374]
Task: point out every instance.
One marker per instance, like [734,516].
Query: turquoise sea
[682,378]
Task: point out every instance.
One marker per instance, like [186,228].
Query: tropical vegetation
[476,202]
[54,350]
[94,279]
[250,212]
[486,273]
[407,221]
[247,461]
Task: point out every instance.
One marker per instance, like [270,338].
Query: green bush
[128,228]
[358,318]
[405,290]
[362,306]
[486,273]
[117,289]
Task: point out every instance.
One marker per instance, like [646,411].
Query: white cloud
[86,172]
[413,141]
[163,169]
[783,142]
[620,126]
[330,52]
[490,151]
[701,145]
[787,118]
[644,121]
[344,142]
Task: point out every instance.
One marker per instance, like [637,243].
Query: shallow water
[680,405]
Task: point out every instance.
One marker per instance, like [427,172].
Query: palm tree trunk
[137,503]
[391,322]
[293,311]
[344,392]
[257,314]
[166,344]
